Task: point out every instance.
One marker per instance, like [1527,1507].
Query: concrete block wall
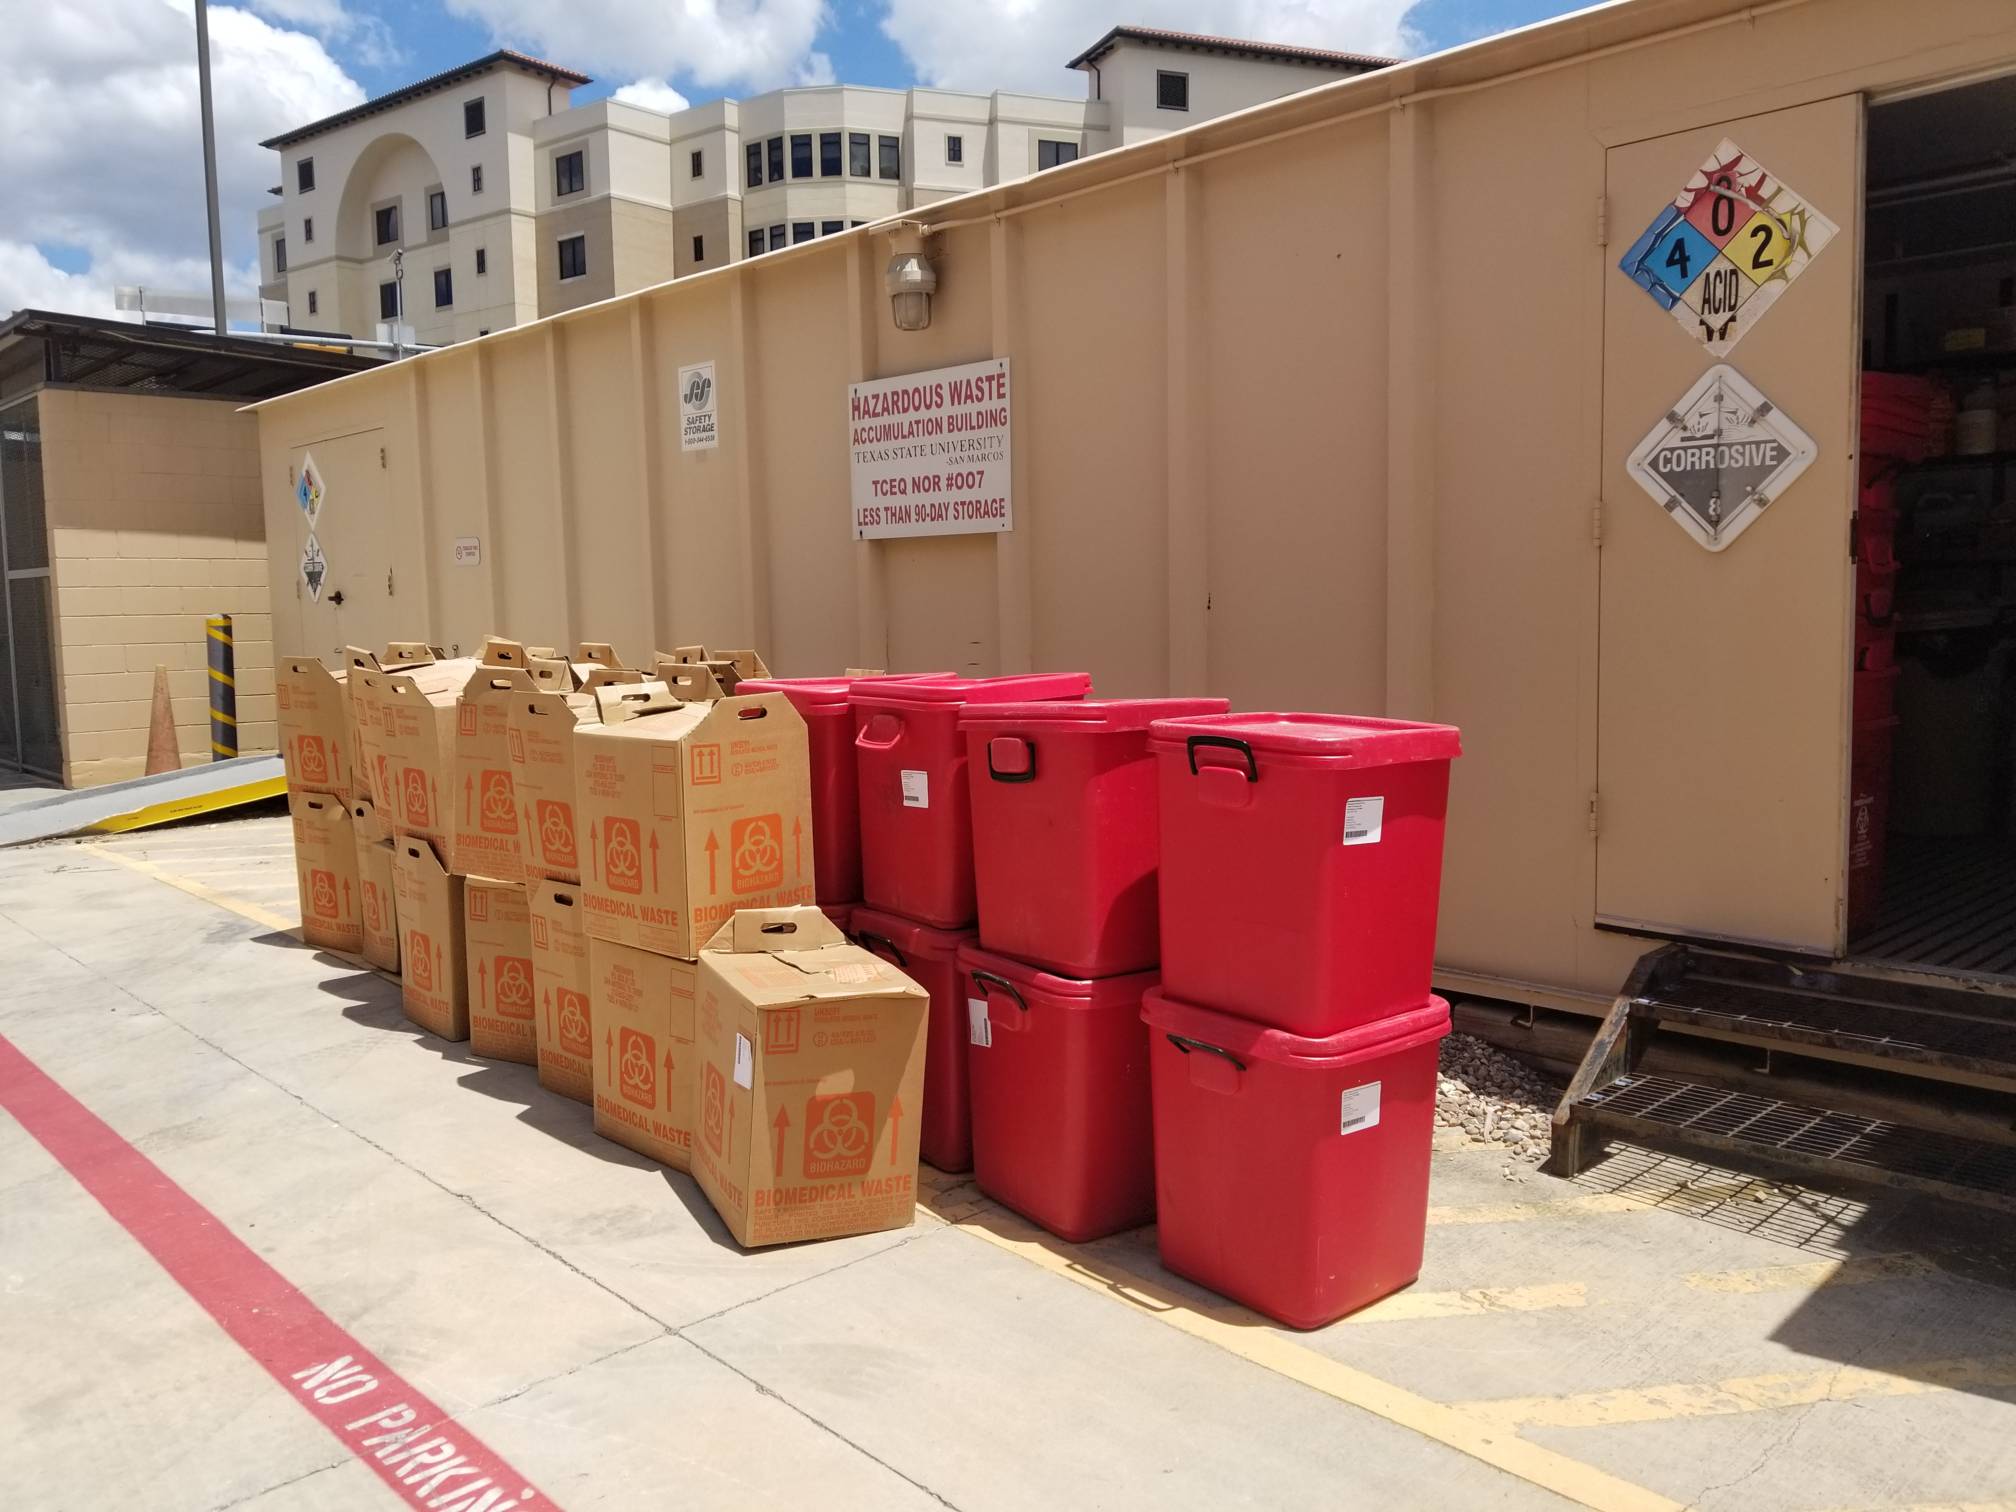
[154,524]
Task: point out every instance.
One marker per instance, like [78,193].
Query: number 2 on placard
[1763,257]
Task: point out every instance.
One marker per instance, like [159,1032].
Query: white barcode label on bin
[980,1027]
[1363,819]
[1359,1109]
[916,789]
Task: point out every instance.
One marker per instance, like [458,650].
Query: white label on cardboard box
[916,789]
[1358,1109]
[745,1062]
[1363,819]
[981,1026]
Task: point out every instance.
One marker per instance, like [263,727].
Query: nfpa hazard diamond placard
[1720,457]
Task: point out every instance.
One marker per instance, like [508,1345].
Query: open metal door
[1731,341]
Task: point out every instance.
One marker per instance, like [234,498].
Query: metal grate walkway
[1950,904]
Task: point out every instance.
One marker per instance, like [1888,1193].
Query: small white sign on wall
[468,551]
[699,408]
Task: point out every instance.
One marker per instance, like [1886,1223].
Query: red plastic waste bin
[916,816]
[823,703]
[930,958]
[1065,834]
[1291,1174]
[1871,761]
[1059,1066]
[842,915]
[1301,864]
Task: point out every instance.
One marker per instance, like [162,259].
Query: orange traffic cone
[162,752]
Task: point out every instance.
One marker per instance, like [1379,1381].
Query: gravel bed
[1496,1100]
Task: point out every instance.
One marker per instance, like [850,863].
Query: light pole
[398,303]
[210,163]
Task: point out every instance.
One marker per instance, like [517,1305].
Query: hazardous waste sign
[931,453]
[1719,457]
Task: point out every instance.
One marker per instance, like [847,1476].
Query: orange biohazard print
[322,893]
[839,1134]
[623,856]
[757,846]
[495,811]
[373,909]
[414,797]
[556,832]
[636,1068]
[574,1025]
[420,960]
[314,758]
[713,1108]
[513,975]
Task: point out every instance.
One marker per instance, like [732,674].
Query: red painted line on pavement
[407,1441]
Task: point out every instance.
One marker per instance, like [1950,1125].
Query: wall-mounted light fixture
[910,278]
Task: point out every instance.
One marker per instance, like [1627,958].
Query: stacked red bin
[1066,850]
[1294,1037]
[1895,429]
[915,828]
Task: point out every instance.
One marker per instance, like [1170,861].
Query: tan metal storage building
[1323,405]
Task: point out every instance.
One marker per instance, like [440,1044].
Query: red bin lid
[1359,740]
[961,690]
[818,692]
[1102,713]
[1206,1031]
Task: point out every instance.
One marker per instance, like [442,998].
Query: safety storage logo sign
[1734,239]
[1720,457]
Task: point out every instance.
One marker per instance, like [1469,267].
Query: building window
[574,257]
[482,261]
[437,210]
[476,178]
[891,155]
[1051,154]
[754,152]
[775,148]
[801,231]
[693,162]
[570,173]
[699,249]
[279,254]
[777,235]
[801,156]
[314,304]
[756,242]
[829,154]
[307,228]
[304,175]
[484,332]
[388,301]
[386,223]
[857,223]
[857,154]
[472,118]
[955,149]
[444,288]
[830,228]
[1172,91]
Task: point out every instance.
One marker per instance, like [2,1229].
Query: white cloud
[364,36]
[1024,44]
[718,44]
[815,70]
[652,94]
[101,146]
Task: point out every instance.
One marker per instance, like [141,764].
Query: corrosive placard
[314,567]
[931,452]
[699,426]
[1719,457]
[1733,240]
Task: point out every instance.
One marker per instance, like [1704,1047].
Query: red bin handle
[988,977]
[1184,1043]
[1230,743]
[871,942]
[1028,772]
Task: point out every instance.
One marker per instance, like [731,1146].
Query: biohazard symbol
[839,1134]
[413,788]
[514,986]
[713,1105]
[314,760]
[384,793]
[556,831]
[623,857]
[573,1022]
[757,845]
[420,960]
[499,813]
[372,920]
[322,893]
[636,1068]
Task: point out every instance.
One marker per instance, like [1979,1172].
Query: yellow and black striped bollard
[223,688]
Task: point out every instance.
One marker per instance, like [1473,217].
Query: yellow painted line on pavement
[1253,1339]
[1411,1306]
[195,889]
[1527,1212]
[1759,1393]
[1815,1275]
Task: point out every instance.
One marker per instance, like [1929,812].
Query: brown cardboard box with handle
[643,1039]
[487,838]
[434,984]
[564,1026]
[497,938]
[325,867]
[364,675]
[378,910]
[692,811]
[811,1069]
[541,745]
[315,723]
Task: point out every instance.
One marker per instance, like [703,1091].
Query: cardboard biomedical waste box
[325,867]
[564,1022]
[416,711]
[379,912]
[364,676]
[811,1071]
[497,941]
[643,1050]
[313,709]
[434,985]
[541,745]
[485,808]
[692,811]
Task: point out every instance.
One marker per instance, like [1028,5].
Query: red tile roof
[1197,42]
[392,98]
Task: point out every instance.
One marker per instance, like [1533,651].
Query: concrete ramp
[145,801]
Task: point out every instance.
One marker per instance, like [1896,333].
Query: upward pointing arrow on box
[780,1123]
[713,845]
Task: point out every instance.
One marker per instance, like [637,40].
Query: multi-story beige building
[482,197]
